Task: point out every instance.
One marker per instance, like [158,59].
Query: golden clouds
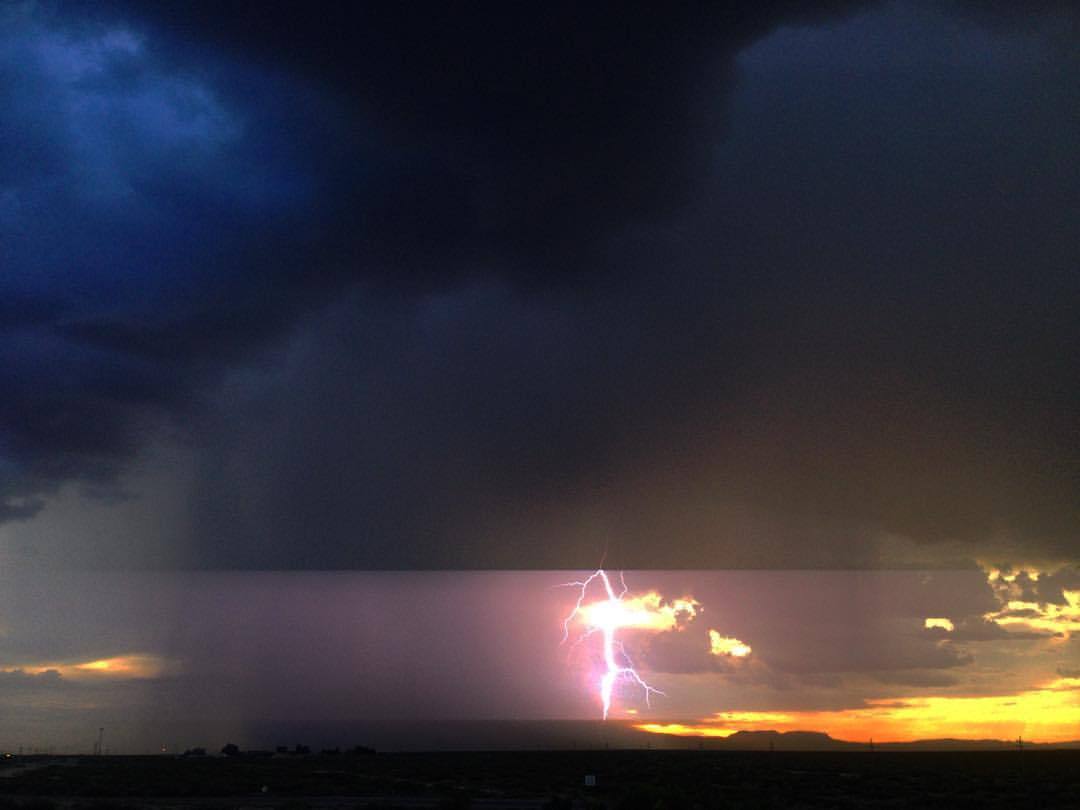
[1024,605]
[1045,616]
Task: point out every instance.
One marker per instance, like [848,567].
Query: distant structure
[98,749]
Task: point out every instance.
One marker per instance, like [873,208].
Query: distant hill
[820,741]
[784,741]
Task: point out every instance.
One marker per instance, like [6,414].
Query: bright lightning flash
[608,616]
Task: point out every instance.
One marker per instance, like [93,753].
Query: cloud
[940,623]
[124,197]
[174,208]
[645,611]
[1041,602]
[566,278]
[978,628]
[727,645]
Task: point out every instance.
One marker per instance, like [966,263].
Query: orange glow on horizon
[1050,713]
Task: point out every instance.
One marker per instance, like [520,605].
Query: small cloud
[944,624]
[726,645]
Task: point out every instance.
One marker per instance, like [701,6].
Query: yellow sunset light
[1050,713]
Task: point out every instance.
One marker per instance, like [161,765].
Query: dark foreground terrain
[555,779]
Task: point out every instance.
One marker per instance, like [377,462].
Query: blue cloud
[135,190]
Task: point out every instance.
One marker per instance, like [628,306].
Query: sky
[762,290]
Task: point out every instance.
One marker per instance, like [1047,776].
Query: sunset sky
[401,659]
[333,337]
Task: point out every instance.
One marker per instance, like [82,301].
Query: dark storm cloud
[820,353]
[179,183]
[128,185]
[520,136]
[520,281]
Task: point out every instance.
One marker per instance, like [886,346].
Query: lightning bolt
[606,617]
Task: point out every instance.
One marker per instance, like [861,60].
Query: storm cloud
[767,287]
